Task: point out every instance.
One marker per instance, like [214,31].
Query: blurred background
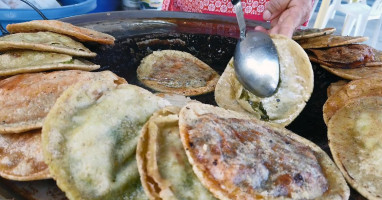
[14,11]
[338,19]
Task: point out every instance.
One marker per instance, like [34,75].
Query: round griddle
[211,38]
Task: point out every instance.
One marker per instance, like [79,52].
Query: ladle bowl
[256,60]
[257,64]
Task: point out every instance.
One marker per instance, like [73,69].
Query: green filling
[260,109]
[256,106]
[69,62]
[244,95]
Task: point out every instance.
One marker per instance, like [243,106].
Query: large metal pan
[211,38]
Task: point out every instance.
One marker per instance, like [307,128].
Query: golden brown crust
[21,157]
[337,187]
[329,41]
[354,135]
[82,34]
[312,32]
[351,91]
[177,72]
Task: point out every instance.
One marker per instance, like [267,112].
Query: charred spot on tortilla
[354,134]
[254,159]
[21,157]
[330,41]
[80,33]
[311,32]
[25,61]
[44,41]
[177,72]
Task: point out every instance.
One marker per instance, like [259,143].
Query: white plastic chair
[356,14]
[313,8]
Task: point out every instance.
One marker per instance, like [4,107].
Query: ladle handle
[240,17]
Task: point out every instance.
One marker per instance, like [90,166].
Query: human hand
[286,15]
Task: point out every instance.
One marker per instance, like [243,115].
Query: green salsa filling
[256,106]
[69,62]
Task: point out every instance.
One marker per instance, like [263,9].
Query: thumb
[261,29]
[274,8]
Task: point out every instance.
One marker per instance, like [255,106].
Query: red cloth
[253,9]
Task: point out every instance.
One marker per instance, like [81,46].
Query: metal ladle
[256,60]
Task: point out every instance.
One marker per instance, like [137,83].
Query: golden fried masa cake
[294,90]
[90,137]
[177,72]
[345,54]
[355,136]
[21,157]
[346,57]
[26,99]
[354,89]
[80,33]
[162,162]
[353,61]
[356,73]
[312,32]
[329,41]
[25,61]
[44,41]
[239,157]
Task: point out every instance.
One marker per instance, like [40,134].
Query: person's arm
[286,15]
